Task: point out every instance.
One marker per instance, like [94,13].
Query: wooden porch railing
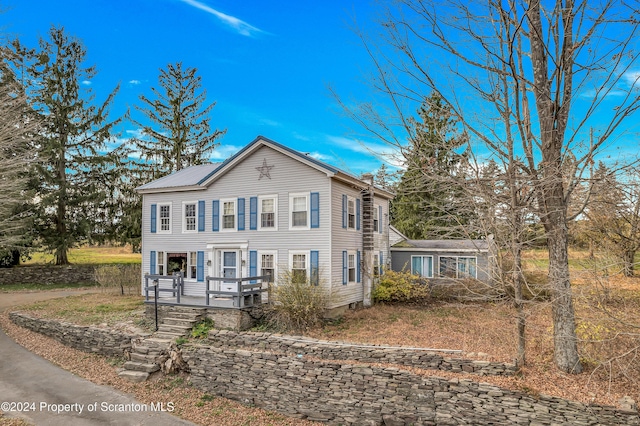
[249,294]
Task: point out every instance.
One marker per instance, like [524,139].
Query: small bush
[201,329]
[296,305]
[401,287]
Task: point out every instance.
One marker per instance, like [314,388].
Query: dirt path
[7,300]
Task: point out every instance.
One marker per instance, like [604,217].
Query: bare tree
[613,215]
[17,126]
[527,81]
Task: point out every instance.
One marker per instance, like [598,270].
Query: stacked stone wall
[414,357]
[369,395]
[85,338]
[70,274]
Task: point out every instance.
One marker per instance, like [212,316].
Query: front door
[229,261]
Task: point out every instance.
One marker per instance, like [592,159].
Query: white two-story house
[266,210]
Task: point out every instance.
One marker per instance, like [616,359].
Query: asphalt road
[44,394]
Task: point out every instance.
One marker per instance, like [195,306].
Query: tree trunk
[629,261]
[566,355]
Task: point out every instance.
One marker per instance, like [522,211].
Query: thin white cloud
[320,157]
[238,25]
[269,122]
[86,83]
[223,152]
[135,82]
[632,78]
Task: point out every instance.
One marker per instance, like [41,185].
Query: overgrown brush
[119,276]
[397,286]
[295,305]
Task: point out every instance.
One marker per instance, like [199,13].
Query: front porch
[217,292]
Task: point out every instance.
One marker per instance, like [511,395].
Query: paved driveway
[45,394]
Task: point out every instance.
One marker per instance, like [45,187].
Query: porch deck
[246,292]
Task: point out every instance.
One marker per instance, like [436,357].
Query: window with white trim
[160,263]
[228,216]
[299,265]
[267,264]
[193,265]
[351,267]
[351,213]
[267,212]
[189,216]
[376,219]
[299,208]
[458,267]
[422,266]
[164,216]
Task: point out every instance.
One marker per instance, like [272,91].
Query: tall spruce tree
[177,130]
[427,203]
[73,177]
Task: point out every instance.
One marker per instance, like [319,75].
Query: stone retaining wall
[422,358]
[224,318]
[366,395]
[69,274]
[85,338]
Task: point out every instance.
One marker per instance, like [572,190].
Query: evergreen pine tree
[427,202]
[177,132]
[73,179]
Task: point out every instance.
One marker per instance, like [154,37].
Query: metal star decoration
[264,169]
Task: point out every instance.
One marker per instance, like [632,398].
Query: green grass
[40,286]
[91,255]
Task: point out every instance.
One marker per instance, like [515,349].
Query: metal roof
[191,176]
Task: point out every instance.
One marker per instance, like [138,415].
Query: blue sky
[267,65]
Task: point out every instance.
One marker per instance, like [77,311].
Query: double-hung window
[267,206]
[351,265]
[193,262]
[299,205]
[376,219]
[190,216]
[299,265]
[164,215]
[268,265]
[422,266]
[160,263]
[228,215]
[351,213]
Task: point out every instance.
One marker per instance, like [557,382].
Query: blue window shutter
[381,262]
[240,214]
[344,211]
[253,265]
[253,213]
[201,216]
[358,266]
[315,210]
[345,267]
[152,263]
[200,266]
[315,267]
[215,216]
[380,221]
[154,212]
[358,214]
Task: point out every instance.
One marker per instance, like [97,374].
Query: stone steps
[145,352]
